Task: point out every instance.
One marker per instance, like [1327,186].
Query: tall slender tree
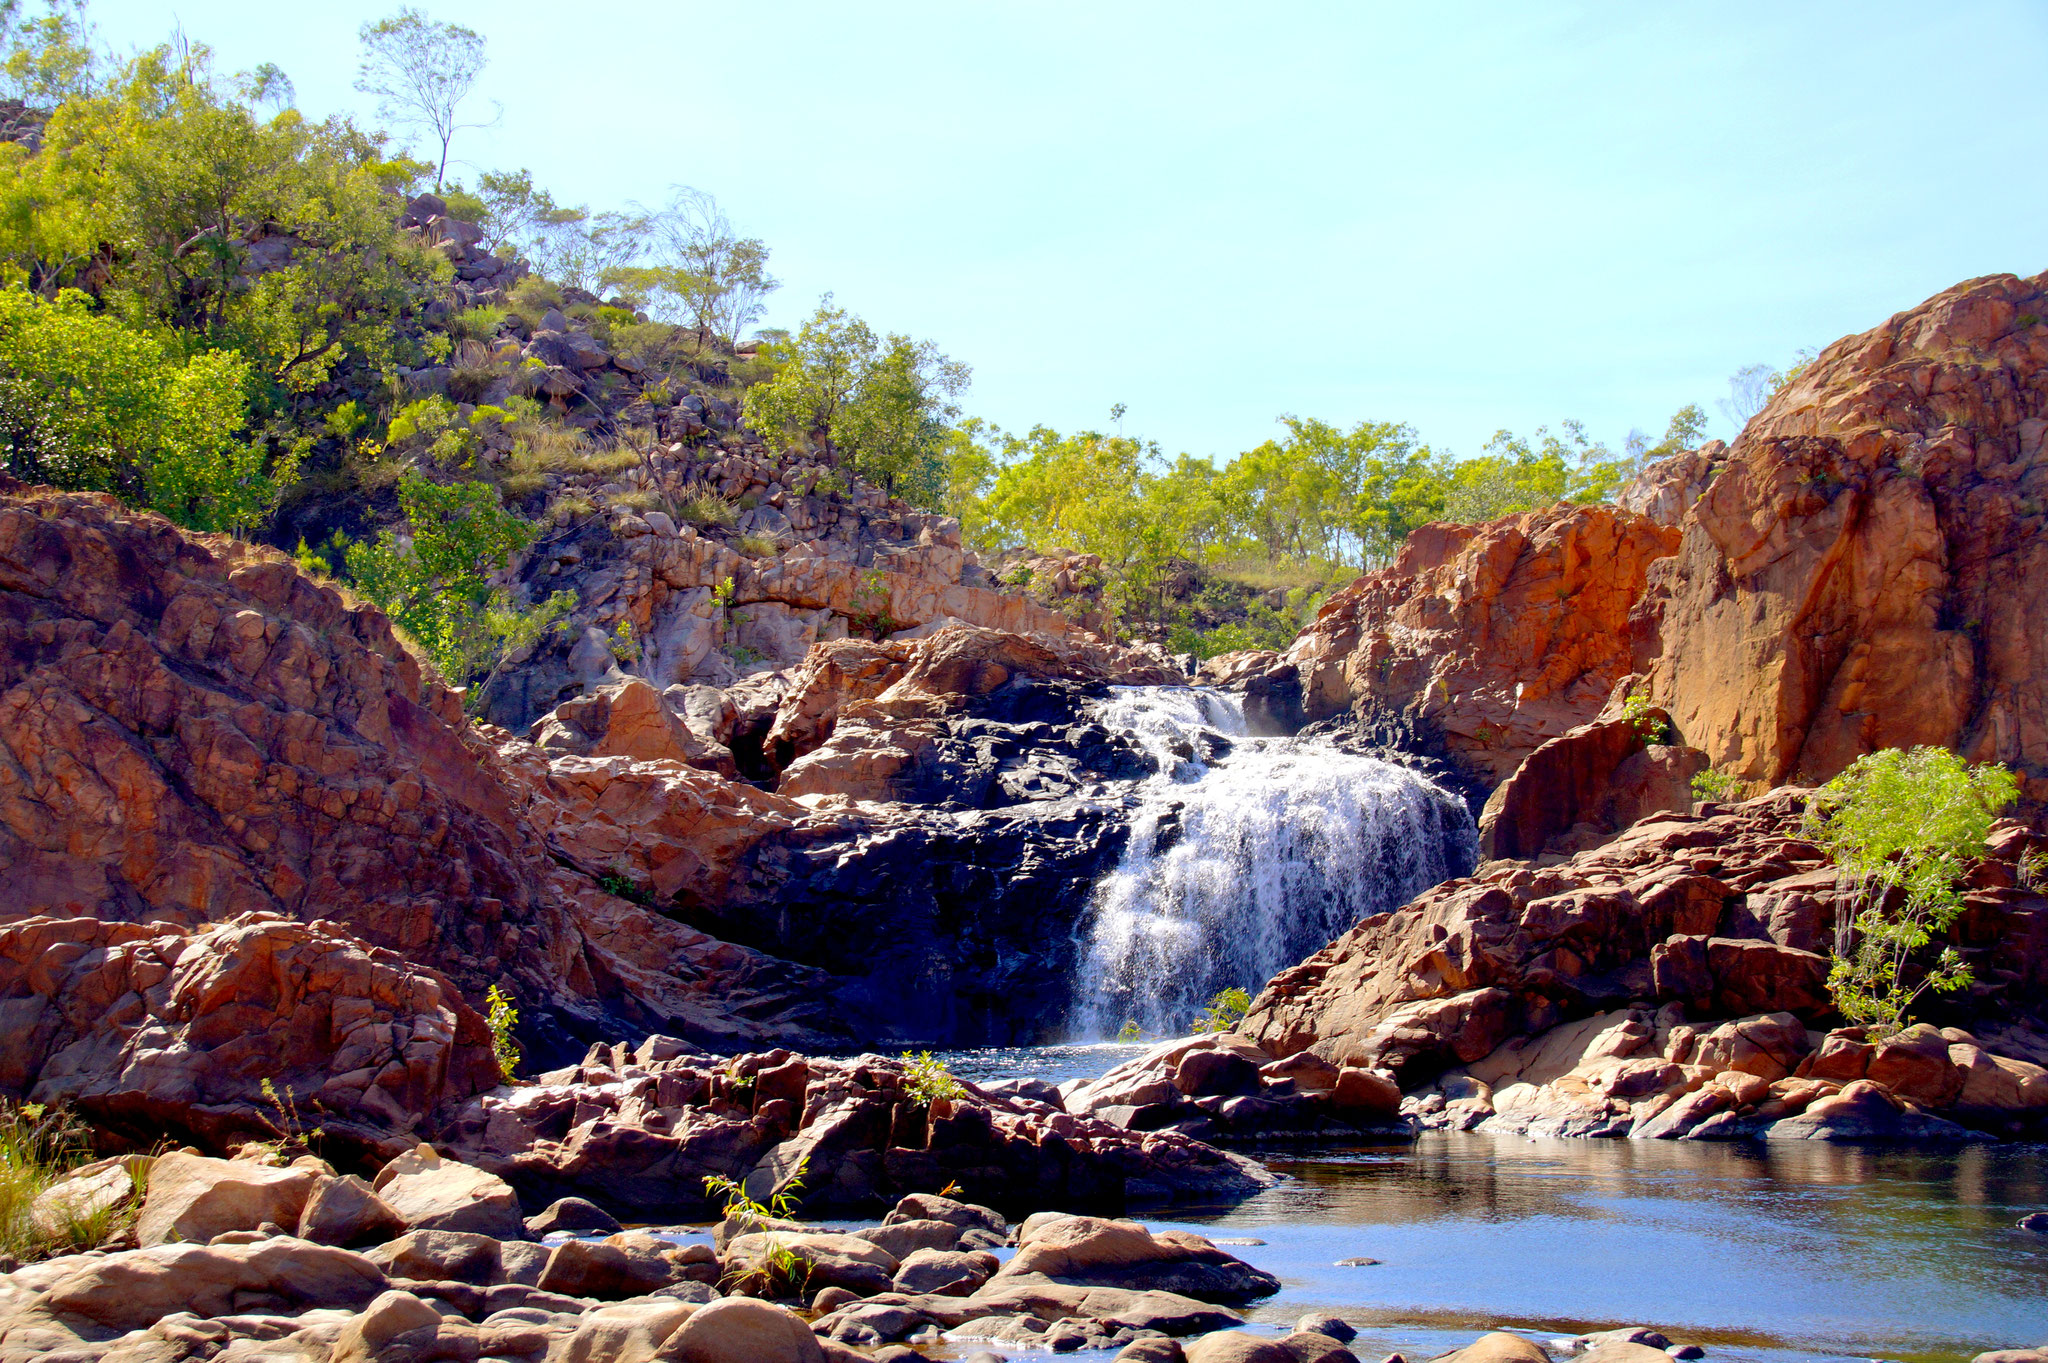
[420,72]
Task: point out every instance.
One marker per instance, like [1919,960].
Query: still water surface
[1762,1254]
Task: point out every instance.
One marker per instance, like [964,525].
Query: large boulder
[1869,570]
[1484,642]
[346,1036]
[1095,1252]
[628,719]
[192,1198]
[741,1330]
[136,1288]
[444,1195]
[1607,774]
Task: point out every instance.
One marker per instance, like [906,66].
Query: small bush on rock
[39,1145]
[927,1079]
[1224,1012]
[1713,784]
[1899,825]
[502,1016]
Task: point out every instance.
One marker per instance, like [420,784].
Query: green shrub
[707,508]
[1713,784]
[758,545]
[779,1271]
[87,403]
[1900,825]
[475,324]
[39,1145]
[502,1015]
[1224,1012]
[434,583]
[927,1080]
[1653,730]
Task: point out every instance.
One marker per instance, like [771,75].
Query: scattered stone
[572,1216]
[1336,1327]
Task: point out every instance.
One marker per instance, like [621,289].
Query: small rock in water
[1358,1261]
[1638,1334]
[1333,1326]
[1236,1240]
[1686,1351]
[2035,1221]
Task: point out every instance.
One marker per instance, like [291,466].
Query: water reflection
[1756,1250]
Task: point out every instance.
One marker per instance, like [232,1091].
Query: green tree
[712,279]
[1900,826]
[48,58]
[420,72]
[433,579]
[90,404]
[187,214]
[881,405]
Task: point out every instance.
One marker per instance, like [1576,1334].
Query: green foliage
[345,420]
[1224,1012]
[1714,784]
[780,1270]
[1900,826]
[1130,1032]
[624,646]
[927,1080]
[475,324]
[420,72]
[1651,729]
[882,404]
[47,59]
[39,1145]
[290,1137]
[502,1015]
[432,579]
[707,508]
[91,404]
[195,219]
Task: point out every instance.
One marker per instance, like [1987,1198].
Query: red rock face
[1728,915]
[1493,638]
[1870,570]
[191,729]
[148,1027]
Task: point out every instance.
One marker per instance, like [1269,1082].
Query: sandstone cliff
[1864,568]
[1871,569]
[193,730]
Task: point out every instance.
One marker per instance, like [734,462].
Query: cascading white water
[1243,864]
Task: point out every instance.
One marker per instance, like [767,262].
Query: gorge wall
[1862,568]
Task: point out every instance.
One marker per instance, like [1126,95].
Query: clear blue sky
[1460,216]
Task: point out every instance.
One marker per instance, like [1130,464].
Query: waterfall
[1248,855]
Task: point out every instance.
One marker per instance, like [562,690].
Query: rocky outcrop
[1683,919]
[1666,489]
[1869,569]
[1857,571]
[154,1028]
[640,1129]
[192,730]
[1481,643]
[1588,783]
[711,602]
